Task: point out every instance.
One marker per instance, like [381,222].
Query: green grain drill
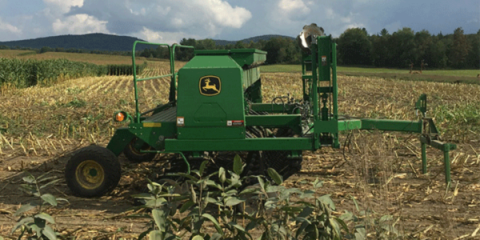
[215,107]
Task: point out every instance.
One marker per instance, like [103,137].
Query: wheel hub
[90,174]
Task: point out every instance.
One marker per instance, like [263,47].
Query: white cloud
[162,37]
[63,6]
[79,24]
[8,27]
[294,6]
[224,14]
[204,18]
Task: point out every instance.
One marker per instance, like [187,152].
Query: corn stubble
[380,170]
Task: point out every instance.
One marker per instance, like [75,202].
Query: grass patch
[340,69]
[468,76]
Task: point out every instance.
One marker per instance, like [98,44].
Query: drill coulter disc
[133,154]
[279,160]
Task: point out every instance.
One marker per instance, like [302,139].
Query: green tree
[354,47]
[239,44]
[185,54]
[436,55]
[459,49]
[205,44]
[402,47]
[423,40]
[473,58]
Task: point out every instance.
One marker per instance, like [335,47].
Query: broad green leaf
[237,165]
[216,236]
[342,223]
[231,192]
[186,206]
[144,234]
[194,195]
[249,190]
[275,176]
[45,217]
[50,183]
[335,226]
[356,204]
[29,179]
[317,183]
[235,225]
[169,195]
[211,183]
[347,216]
[49,233]
[386,218]
[262,185]
[222,175]
[214,221]
[36,228]
[159,218]
[196,172]
[41,180]
[1,238]
[270,204]
[62,199]
[235,180]
[146,196]
[360,234]
[202,167]
[232,201]
[307,194]
[25,208]
[302,227]
[22,222]
[325,199]
[212,200]
[155,203]
[50,199]
[306,212]
[30,189]
[155,235]
[198,237]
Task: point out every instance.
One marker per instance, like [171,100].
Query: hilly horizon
[104,42]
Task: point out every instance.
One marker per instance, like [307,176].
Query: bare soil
[422,205]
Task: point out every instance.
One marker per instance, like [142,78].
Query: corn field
[27,73]
[124,69]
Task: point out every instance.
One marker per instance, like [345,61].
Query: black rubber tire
[101,157]
[135,156]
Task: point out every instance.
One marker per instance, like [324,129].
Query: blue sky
[171,20]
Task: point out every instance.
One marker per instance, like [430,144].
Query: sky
[168,21]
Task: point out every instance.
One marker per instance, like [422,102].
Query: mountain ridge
[104,42]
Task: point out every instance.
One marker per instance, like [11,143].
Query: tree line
[404,47]
[356,47]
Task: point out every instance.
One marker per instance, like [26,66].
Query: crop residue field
[382,171]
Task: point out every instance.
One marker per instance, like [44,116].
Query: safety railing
[172,75]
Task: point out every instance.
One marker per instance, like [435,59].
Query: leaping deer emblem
[209,87]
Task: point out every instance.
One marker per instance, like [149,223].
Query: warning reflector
[235,123]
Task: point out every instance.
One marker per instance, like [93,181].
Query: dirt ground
[422,206]
[382,171]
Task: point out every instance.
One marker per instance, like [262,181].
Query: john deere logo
[210,85]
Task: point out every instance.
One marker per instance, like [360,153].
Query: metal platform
[167,115]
